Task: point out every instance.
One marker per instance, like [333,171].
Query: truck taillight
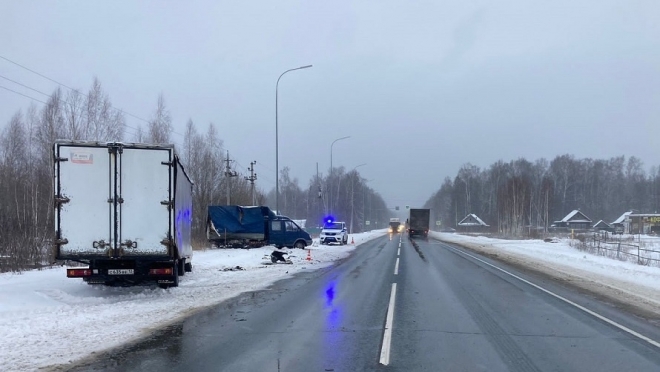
[78,273]
[166,271]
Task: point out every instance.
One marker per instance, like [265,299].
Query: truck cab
[395,226]
[334,232]
[283,232]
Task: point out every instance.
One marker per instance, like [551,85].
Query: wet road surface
[398,306]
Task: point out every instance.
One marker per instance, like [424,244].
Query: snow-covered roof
[569,217]
[472,220]
[623,217]
[602,223]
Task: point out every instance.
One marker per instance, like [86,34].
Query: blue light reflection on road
[333,330]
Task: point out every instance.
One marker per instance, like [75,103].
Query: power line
[34,72]
[25,86]
[59,99]
[50,96]
[68,87]
[24,95]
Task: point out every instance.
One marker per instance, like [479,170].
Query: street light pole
[277,152]
[364,209]
[353,194]
[331,172]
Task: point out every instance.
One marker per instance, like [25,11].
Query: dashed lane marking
[387,333]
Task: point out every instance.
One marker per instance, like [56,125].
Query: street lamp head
[308,66]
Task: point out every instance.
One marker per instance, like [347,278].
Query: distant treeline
[26,166]
[344,195]
[520,196]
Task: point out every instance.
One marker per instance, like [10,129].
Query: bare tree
[160,126]
[104,123]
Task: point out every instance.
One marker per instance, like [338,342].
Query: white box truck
[125,210]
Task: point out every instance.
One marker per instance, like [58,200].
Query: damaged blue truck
[251,227]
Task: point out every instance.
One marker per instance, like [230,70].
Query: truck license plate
[120,271]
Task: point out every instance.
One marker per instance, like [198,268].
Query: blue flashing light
[329,219]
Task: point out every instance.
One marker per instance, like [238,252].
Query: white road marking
[398,252]
[590,312]
[396,267]
[387,335]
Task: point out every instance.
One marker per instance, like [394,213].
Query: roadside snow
[629,283]
[48,319]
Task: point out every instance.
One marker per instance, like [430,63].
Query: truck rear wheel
[181,267]
[176,277]
[188,267]
[299,244]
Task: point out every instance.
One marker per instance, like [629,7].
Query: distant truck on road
[125,210]
[250,227]
[418,223]
[395,226]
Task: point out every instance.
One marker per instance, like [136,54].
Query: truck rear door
[83,191]
[112,200]
[144,219]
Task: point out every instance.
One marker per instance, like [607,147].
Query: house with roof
[603,226]
[472,223]
[622,224]
[576,220]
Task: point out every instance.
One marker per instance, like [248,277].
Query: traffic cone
[309,255]
[352,241]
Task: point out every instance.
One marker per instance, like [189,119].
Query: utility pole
[229,174]
[320,193]
[252,178]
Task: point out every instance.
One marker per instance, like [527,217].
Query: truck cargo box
[123,208]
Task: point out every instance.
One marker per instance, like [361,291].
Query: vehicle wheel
[176,276]
[188,267]
[299,244]
[181,267]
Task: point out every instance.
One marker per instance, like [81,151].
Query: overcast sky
[421,87]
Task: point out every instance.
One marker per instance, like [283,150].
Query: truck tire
[181,267]
[188,267]
[176,277]
[299,244]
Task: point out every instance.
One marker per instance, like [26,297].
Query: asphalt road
[392,306]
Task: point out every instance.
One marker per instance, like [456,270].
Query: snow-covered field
[48,319]
[628,282]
